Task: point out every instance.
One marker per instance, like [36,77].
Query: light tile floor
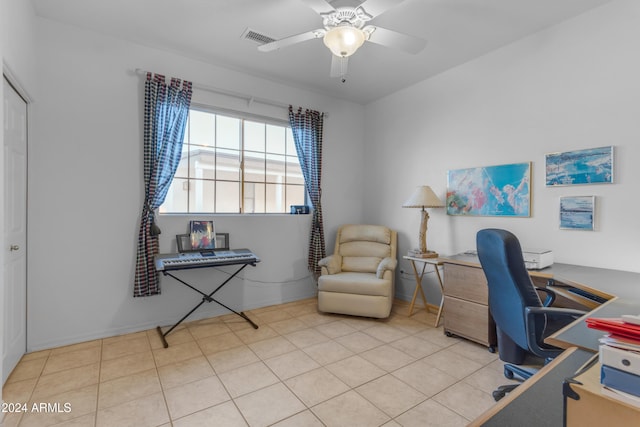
[300,368]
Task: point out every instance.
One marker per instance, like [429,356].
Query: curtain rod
[248,98]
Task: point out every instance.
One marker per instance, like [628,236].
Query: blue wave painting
[576,213]
[590,166]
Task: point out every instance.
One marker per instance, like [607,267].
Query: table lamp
[423,197]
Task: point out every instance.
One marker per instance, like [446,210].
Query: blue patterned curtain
[166,108]
[307,135]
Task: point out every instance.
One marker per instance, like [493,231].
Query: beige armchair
[358,279]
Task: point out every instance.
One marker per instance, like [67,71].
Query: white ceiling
[210,30]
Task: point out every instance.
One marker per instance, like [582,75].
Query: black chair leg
[501,391]
[510,372]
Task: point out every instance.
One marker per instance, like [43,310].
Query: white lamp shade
[344,40]
[423,197]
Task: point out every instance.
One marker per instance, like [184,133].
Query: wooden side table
[434,262]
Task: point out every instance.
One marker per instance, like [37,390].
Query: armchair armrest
[331,264]
[386,264]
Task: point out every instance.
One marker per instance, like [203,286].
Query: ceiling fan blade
[288,41]
[320,6]
[374,8]
[396,40]
[339,66]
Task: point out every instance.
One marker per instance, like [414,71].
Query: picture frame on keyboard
[222,241]
[183,242]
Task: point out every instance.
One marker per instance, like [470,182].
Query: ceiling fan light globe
[343,41]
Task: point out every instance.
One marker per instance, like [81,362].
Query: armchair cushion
[356,283]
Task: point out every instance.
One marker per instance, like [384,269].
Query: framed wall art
[590,166]
[502,190]
[577,213]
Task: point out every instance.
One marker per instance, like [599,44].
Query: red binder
[615,326]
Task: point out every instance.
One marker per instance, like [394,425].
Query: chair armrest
[331,264]
[551,296]
[569,314]
[386,264]
[555,312]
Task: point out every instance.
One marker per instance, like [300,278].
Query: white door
[15,230]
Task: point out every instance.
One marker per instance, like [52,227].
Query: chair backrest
[510,287]
[362,247]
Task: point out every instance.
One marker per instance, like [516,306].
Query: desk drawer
[467,283]
[469,320]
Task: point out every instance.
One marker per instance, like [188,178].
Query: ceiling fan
[345,30]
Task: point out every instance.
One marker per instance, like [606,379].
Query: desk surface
[579,335]
[434,261]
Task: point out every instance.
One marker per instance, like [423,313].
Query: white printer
[537,259]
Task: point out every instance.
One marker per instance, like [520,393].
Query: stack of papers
[619,358]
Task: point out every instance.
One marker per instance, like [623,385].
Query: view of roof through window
[235,165]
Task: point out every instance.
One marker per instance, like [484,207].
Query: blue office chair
[522,320]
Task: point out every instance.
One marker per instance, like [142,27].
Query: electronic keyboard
[208,258]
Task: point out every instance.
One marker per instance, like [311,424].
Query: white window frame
[246,186]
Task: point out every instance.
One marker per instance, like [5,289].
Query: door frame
[16,84]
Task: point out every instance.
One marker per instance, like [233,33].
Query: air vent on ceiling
[255,36]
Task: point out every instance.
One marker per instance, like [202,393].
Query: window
[235,165]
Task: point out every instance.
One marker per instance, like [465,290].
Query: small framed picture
[222,241]
[184,242]
[202,235]
[577,213]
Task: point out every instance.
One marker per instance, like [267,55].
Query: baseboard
[200,314]
[406,303]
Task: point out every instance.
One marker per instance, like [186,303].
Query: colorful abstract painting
[577,213]
[590,166]
[490,191]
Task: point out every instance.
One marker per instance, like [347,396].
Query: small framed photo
[184,242]
[577,213]
[222,241]
[202,235]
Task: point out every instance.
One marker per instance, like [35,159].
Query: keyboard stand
[205,298]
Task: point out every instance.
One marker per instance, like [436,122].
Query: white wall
[572,86]
[86,191]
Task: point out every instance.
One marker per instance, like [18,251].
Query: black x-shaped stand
[205,298]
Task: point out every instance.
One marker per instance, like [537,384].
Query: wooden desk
[467,309]
[435,262]
[539,400]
